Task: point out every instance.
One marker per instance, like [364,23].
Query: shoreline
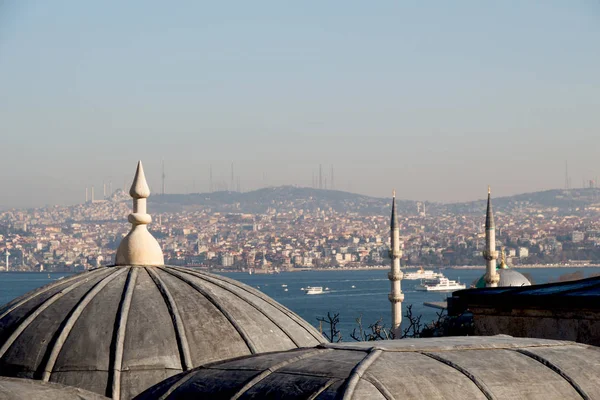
[376,268]
[386,268]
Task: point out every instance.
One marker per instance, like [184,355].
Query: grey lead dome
[118,330]
[510,277]
[19,389]
[496,367]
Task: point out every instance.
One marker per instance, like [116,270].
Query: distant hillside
[259,201]
[285,197]
[565,201]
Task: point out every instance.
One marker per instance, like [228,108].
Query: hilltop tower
[490,254]
[395,275]
[163,176]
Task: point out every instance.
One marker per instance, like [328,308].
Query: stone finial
[139,247]
[139,188]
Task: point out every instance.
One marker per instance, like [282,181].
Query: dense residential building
[299,231]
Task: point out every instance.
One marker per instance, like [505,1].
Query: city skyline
[436,100]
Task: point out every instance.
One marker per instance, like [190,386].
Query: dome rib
[309,328]
[555,369]
[32,295]
[214,301]
[385,392]
[40,309]
[119,339]
[68,324]
[359,370]
[273,369]
[480,385]
[323,388]
[182,342]
[255,306]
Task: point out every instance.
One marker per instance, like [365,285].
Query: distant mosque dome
[508,277]
[118,330]
[19,389]
[471,367]
[496,275]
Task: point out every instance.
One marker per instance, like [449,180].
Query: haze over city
[435,99]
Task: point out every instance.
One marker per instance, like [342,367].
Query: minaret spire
[139,247]
[394,220]
[490,254]
[395,275]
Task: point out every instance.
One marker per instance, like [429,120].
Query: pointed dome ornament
[503,264]
[139,247]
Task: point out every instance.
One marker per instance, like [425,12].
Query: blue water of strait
[368,297]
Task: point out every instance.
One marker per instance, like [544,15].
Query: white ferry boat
[422,274]
[314,290]
[440,285]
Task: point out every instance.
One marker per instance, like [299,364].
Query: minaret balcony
[395,254]
[492,279]
[396,297]
[395,276]
[490,255]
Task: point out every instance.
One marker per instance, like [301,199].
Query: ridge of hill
[261,200]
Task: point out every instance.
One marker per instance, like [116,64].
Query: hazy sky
[435,98]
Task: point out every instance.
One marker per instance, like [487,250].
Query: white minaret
[139,247]
[86,195]
[7,255]
[490,254]
[395,276]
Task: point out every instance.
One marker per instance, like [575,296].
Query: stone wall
[581,326]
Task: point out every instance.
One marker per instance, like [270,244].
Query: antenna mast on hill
[163,177]
[566,175]
[320,176]
[331,185]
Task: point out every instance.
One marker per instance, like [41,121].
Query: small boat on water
[285,290]
[59,278]
[314,290]
[422,274]
[440,285]
[284,285]
[353,287]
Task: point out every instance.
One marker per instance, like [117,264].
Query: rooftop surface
[19,389]
[497,367]
[580,294]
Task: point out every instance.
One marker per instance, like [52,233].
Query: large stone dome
[118,330]
[492,367]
